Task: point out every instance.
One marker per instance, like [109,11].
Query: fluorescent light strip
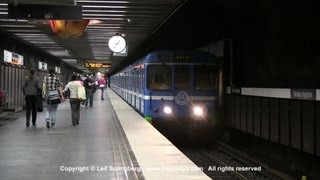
[33,36]
[59,53]
[14,20]
[37,38]
[122,2]
[105,15]
[112,7]
[70,61]
[103,11]
[22,30]
[101,18]
[104,27]
[21,34]
[19,26]
[40,42]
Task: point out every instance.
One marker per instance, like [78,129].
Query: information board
[12,58]
[97,65]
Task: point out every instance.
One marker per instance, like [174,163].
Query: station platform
[112,142]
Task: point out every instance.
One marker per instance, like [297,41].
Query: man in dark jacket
[88,83]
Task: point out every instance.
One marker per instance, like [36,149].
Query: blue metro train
[179,84]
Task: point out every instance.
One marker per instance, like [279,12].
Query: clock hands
[116,43]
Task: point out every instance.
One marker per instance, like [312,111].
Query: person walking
[30,89]
[51,88]
[102,85]
[73,87]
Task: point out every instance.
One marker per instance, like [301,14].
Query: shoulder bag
[81,93]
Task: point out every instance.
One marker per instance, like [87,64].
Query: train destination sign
[97,65]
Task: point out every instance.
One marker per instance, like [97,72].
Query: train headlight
[198,111]
[167,110]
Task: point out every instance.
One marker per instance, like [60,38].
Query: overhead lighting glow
[93,21]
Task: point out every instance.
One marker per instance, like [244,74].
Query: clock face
[117,43]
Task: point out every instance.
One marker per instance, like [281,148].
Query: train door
[134,83]
[142,90]
[125,85]
[138,87]
[129,85]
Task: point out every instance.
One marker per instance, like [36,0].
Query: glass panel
[182,77]
[205,77]
[159,77]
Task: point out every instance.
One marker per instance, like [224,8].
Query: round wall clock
[117,43]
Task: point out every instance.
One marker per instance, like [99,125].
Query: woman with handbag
[75,87]
[30,89]
[52,92]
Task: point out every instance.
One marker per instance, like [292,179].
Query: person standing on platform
[51,87]
[89,85]
[102,85]
[73,86]
[31,88]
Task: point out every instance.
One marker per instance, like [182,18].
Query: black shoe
[34,124]
[74,124]
[28,123]
[48,124]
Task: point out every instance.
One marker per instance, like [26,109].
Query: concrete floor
[41,153]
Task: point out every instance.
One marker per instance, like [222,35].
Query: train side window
[159,77]
[205,77]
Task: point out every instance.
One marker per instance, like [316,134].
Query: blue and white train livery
[180,84]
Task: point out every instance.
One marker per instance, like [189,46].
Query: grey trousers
[75,110]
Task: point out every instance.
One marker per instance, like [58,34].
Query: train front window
[182,77]
[159,77]
[205,77]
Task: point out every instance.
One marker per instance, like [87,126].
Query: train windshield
[205,77]
[159,77]
[182,77]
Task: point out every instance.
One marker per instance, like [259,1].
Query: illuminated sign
[97,65]
[182,57]
[57,69]
[42,66]
[12,58]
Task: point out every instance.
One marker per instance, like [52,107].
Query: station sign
[305,94]
[97,65]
